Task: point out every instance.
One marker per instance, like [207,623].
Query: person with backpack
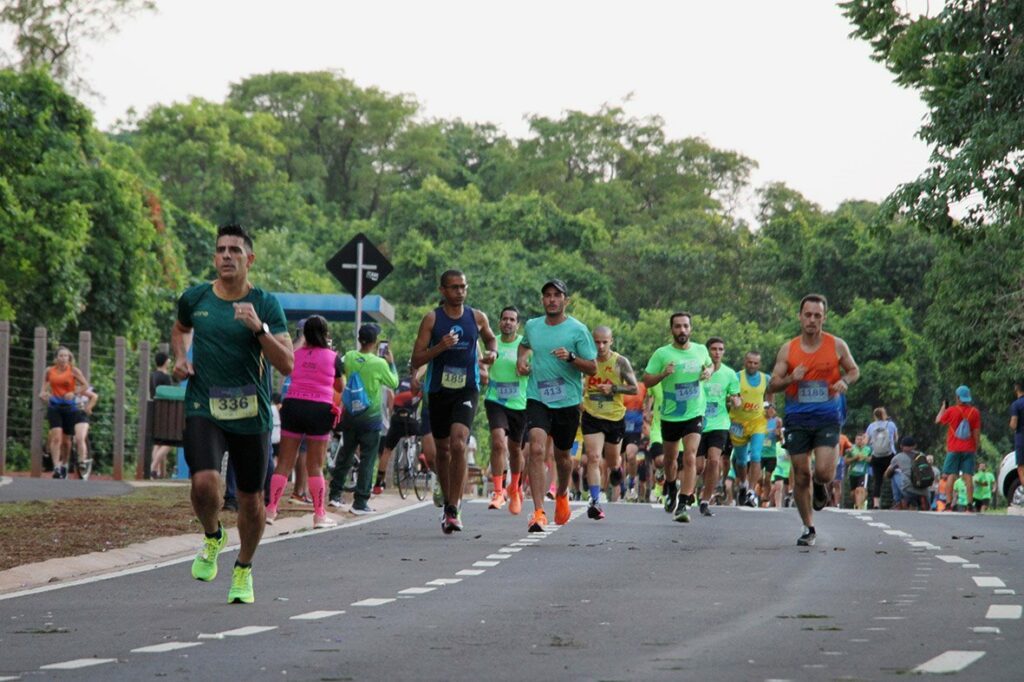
[365,372]
[963,436]
[882,438]
[911,476]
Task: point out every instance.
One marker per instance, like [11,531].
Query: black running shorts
[452,407]
[205,443]
[613,431]
[513,422]
[561,423]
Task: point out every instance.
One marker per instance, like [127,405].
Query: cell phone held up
[383,349]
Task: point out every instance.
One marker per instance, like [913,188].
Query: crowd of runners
[569,416]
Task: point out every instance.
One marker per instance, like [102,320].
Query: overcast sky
[778,81]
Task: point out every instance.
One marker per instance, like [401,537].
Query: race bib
[505,390]
[552,390]
[812,392]
[738,430]
[236,402]
[687,391]
[453,377]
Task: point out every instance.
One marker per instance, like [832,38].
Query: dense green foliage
[99,231]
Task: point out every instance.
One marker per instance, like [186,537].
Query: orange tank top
[61,382]
[822,364]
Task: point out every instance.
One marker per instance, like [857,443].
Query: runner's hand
[448,340]
[182,370]
[489,357]
[246,314]
[523,367]
[840,386]
[560,353]
[706,373]
[798,373]
[607,389]
[669,370]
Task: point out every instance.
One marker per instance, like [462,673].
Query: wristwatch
[572,356]
[264,329]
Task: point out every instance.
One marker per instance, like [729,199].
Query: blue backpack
[354,397]
[963,429]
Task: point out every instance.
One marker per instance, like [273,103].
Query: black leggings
[878,467]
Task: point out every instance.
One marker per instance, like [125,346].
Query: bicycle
[333,449]
[405,464]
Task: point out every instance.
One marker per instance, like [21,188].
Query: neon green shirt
[983,482]
[722,384]
[960,488]
[505,386]
[683,397]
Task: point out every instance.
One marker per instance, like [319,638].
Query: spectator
[161,376]
[843,448]
[984,482]
[61,385]
[859,462]
[963,435]
[905,495]
[933,492]
[1017,426]
[882,438]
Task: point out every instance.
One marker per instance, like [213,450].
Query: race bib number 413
[235,402]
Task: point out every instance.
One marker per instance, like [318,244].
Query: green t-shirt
[782,463]
[657,395]
[960,488]
[505,386]
[374,372]
[231,384]
[554,382]
[683,394]
[983,481]
[859,467]
[722,384]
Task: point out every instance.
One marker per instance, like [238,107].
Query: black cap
[557,284]
[368,333]
[908,442]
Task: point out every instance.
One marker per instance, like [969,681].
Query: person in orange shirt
[815,370]
[62,384]
[634,434]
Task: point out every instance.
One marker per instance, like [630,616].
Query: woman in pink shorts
[308,412]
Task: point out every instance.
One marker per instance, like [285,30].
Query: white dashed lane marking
[373,602]
[1004,592]
[316,615]
[77,663]
[238,632]
[445,581]
[417,590]
[949,662]
[470,571]
[1004,611]
[485,564]
[951,559]
[985,629]
[988,581]
[165,647]
[499,556]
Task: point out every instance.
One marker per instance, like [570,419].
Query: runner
[505,404]
[62,383]
[634,405]
[447,344]
[772,435]
[814,369]
[654,459]
[780,478]
[679,368]
[236,331]
[859,465]
[720,391]
[749,427]
[1017,426]
[604,416]
[562,348]
[308,414]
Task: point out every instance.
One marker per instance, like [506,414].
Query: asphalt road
[635,596]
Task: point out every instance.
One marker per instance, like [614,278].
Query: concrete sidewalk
[157,550]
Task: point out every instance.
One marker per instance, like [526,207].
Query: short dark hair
[315,331]
[715,339]
[161,358]
[447,274]
[235,230]
[814,298]
[673,316]
[509,309]
[368,333]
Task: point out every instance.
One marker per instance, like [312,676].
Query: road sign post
[359,266]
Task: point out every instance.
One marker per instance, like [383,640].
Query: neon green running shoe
[241,586]
[204,567]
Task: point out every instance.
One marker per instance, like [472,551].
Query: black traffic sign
[344,264]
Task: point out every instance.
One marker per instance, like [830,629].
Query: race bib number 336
[235,402]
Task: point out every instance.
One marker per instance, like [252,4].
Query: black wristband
[571,358]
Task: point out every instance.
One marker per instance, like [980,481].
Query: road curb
[157,550]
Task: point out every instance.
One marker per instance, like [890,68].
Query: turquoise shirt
[554,382]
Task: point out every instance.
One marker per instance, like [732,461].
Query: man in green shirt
[721,390]
[365,372]
[680,368]
[235,331]
[505,404]
[984,482]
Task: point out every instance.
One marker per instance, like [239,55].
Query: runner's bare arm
[851,372]
[81,383]
[44,394]
[781,376]
[488,338]
[181,341]
[1013,423]
[422,351]
[652,380]
[628,376]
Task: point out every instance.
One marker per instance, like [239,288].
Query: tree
[49,33]
[967,64]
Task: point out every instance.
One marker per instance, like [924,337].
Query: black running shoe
[807,539]
[615,477]
[671,497]
[705,509]
[595,512]
[820,496]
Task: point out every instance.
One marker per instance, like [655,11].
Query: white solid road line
[988,581]
[372,602]
[1004,611]
[949,662]
[77,663]
[165,647]
[316,615]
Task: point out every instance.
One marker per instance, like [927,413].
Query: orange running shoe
[562,511]
[497,500]
[515,501]
[538,521]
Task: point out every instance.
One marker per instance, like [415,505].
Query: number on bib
[552,390]
[687,391]
[506,390]
[239,402]
[453,377]
[812,392]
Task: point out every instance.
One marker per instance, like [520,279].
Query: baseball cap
[368,333]
[963,394]
[908,442]
[557,284]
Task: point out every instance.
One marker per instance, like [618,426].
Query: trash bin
[167,425]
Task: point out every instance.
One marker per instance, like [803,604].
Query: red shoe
[562,510]
[515,502]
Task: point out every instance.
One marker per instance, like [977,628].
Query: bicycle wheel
[403,470]
[423,483]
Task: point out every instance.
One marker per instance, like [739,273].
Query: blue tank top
[456,368]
